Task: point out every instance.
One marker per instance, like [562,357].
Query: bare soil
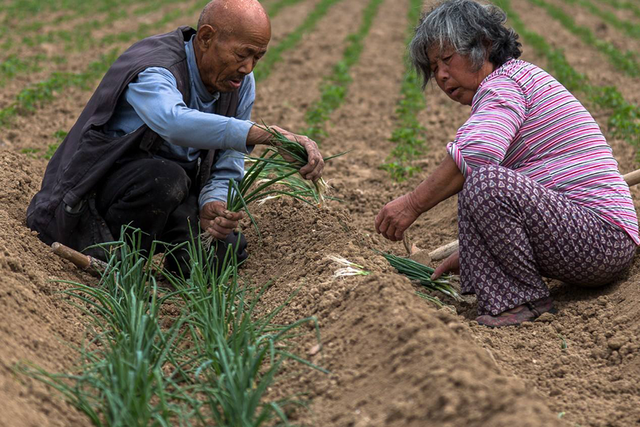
[394,359]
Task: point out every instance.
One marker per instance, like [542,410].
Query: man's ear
[206,34]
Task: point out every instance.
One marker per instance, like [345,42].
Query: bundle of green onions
[422,273]
[270,169]
[296,186]
[298,157]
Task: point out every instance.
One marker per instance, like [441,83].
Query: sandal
[526,312]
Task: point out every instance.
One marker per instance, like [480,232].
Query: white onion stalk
[349,269]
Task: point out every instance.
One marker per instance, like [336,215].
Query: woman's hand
[396,216]
[313,169]
[450,265]
[219,222]
[399,214]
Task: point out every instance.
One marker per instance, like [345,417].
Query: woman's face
[454,73]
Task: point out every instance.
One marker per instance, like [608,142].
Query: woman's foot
[523,313]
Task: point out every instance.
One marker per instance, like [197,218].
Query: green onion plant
[211,364]
[126,376]
[236,353]
[422,273]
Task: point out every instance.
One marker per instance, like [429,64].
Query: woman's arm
[396,216]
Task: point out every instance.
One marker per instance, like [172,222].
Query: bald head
[231,17]
[232,37]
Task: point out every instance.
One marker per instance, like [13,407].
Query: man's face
[225,59]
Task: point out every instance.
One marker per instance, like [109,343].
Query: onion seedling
[349,269]
[422,273]
[297,157]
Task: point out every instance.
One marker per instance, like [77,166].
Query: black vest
[86,154]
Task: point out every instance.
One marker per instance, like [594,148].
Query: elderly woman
[540,193]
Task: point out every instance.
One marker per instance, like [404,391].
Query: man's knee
[168,181]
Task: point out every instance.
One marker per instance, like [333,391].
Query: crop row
[80,37]
[628,5]
[623,119]
[211,363]
[631,29]
[263,70]
[408,134]
[624,5]
[35,28]
[624,61]
[36,94]
[335,86]
[19,64]
[23,18]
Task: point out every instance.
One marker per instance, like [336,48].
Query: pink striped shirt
[525,120]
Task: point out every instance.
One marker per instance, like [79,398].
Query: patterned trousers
[513,231]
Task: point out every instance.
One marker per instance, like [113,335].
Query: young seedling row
[626,62]
[629,28]
[37,94]
[265,67]
[409,133]
[213,363]
[624,5]
[334,88]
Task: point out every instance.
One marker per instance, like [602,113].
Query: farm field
[335,69]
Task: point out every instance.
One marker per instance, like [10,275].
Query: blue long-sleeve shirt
[153,98]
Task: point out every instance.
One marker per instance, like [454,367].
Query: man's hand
[216,220]
[313,169]
[450,265]
[395,217]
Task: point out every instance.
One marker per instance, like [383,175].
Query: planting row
[36,94]
[409,134]
[335,86]
[196,355]
[626,62]
[20,64]
[629,5]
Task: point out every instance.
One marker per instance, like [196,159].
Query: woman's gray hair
[474,30]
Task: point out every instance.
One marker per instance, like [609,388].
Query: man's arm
[157,101]
[229,164]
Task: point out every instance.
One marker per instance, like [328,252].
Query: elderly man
[162,135]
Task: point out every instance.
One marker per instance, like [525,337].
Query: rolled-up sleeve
[498,111]
[158,102]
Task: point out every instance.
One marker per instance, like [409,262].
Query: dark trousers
[158,197]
